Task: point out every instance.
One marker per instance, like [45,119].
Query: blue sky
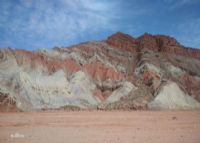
[33,24]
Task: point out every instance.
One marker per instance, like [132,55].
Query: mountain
[121,72]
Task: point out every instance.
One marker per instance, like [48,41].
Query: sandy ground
[100,127]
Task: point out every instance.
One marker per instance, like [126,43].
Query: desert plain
[100,127]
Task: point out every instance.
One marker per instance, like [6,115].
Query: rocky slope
[122,72]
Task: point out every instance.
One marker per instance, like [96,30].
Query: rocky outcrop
[191,84]
[172,97]
[100,71]
[7,104]
[158,43]
[122,72]
[148,41]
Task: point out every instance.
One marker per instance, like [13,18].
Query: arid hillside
[122,72]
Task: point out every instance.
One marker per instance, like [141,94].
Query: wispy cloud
[189,32]
[35,24]
[49,19]
[179,3]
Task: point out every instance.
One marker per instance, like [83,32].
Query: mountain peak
[122,41]
[121,35]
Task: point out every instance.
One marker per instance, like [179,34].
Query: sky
[34,24]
